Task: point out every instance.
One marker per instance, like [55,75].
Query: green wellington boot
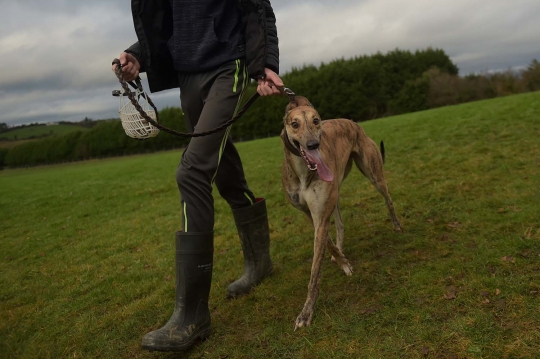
[252,225]
[190,320]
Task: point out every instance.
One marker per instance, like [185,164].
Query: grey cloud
[71,105]
[49,82]
[279,5]
[498,32]
[56,54]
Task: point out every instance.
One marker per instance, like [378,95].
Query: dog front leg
[321,234]
[340,228]
[335,251]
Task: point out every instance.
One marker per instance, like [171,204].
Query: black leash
[138,85]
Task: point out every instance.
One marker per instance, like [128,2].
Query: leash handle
[130,95]
[137,85]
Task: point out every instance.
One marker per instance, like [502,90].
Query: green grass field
[25,133]
[87,251]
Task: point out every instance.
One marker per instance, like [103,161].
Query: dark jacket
[206,34]
[154,27]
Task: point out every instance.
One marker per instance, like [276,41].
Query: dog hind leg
[383,189]
[372,168]
[339,257]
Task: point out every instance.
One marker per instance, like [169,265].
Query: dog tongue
[322,169]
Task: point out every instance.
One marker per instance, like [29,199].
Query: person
[209,49]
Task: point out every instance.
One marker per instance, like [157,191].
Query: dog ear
[290,106]
[298,101]
[302,101]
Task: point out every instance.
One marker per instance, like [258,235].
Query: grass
[87,251]
[28,132]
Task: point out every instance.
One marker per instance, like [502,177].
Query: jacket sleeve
[135,50]
[272,49]
[261,39]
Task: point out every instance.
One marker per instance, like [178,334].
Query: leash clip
[287,91]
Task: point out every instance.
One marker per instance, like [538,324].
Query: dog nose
[312,144]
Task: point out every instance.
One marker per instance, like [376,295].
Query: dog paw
[303,320]
[347,268]
[344,264]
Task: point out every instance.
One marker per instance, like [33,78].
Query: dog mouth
[312,166]
[315,162]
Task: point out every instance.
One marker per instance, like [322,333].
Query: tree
[531,76]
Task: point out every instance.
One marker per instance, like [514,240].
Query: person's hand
[267,86]
[130,66]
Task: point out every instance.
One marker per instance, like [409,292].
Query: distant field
[87,251]
[39,131]
[11,144]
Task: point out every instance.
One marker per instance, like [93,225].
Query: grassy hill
[28,132]
[87,251]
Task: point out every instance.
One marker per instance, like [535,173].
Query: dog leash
[131,96]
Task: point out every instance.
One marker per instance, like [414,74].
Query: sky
[55,55]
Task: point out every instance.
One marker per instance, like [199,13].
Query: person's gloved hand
[130,66]
[267,86]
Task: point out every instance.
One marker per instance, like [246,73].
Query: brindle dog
[318,157]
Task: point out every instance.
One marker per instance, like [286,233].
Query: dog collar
[290,146]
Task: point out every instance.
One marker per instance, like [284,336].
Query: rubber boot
[252,225]
[190,320]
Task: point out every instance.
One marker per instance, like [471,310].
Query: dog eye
[294,125]
[316,121]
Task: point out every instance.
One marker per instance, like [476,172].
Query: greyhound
[318,158]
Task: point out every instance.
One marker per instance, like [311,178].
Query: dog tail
[382,151]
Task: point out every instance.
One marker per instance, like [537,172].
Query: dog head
[303,128]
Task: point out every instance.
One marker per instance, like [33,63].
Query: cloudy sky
[55,55]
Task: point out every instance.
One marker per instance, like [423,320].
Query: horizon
[56,56]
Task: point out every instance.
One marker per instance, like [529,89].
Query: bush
[531,76]
[447,89]
[3,154]
[412,97]
[361,88]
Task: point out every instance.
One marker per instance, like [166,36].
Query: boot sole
[168,348]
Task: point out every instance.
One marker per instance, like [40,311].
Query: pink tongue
[322,169]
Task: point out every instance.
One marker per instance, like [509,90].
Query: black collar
[289,145]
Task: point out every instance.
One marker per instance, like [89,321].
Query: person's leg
[250,217]
[190,320]
[254,232]
[231,181]
[209,100]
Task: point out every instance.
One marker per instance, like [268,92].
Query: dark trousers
[208,100]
